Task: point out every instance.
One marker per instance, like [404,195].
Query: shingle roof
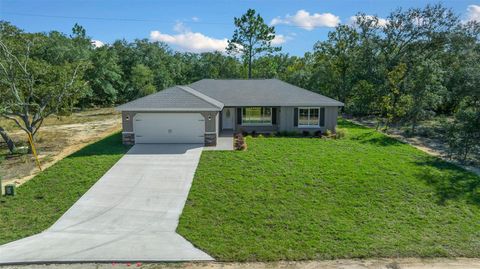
[213,94]
[260,92]
[178,98]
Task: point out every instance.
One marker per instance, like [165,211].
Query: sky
[199,26]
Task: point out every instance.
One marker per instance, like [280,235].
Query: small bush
[328,133]
[287,134]
[317,133]
[305,133]
[239,143]
[341,133]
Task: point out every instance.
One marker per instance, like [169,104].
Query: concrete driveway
[130,214]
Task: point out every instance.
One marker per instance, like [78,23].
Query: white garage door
[169,128]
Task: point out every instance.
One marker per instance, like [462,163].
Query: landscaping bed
[365,195]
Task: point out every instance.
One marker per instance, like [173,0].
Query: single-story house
[198,112]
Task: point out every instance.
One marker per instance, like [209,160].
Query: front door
[227,118]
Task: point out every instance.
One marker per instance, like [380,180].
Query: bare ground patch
[58,138]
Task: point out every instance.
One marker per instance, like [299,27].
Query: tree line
[415,64]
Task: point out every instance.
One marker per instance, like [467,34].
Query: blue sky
[189,25]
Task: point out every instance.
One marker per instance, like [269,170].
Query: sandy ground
[55,142]
[405,263]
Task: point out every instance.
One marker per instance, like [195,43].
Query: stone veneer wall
[128,138]
[210,140]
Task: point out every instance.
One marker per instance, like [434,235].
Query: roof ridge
[202,96]
[309,91]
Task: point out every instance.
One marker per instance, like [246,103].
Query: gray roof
[178,98]
[260,92]
[213,94]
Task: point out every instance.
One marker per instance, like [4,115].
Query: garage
[169,128]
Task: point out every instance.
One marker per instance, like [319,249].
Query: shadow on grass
[343,123]
[377,139]
[450,181]
[110,145]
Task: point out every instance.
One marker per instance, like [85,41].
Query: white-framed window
[257,116]
[309,117]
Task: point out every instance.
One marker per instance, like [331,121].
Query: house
[199,112]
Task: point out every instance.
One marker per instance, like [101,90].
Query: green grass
[366,195]
[43,199]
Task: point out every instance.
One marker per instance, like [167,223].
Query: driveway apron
[130,214]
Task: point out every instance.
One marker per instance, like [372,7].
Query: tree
[142,80]
[104,77]
[251,37]
[336,61]
[32,86]
[464,133]
[425,86]
[8,140]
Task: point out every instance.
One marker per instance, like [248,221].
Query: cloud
[190,41]
[381,21]
[473,13]
[195,18]
[179,27]
[306,21]
[97,43]
[279,39]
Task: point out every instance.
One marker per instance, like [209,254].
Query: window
[257,116]
[308,117]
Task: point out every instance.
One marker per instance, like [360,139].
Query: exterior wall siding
[211,130]
[287,122]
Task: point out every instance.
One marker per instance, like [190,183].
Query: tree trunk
[8,140]
[414,125]
[250,67]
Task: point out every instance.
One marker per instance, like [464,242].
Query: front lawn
[366,195]
[43,199]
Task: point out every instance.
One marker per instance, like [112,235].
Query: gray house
[199,112]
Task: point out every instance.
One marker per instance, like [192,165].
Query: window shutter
[322,116]
[239,115]
[295,117]
[274,115]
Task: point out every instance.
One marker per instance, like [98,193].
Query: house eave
[167,109]
[287,105]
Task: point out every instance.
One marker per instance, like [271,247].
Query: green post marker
[10,190]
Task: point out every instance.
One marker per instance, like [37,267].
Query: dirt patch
[60,137]
[404,263]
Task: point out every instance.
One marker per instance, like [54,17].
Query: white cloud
[279,39]
[195,18]
[97,43]
[179,27]
[190,41]
[308,22]
[473,13]
[381,21]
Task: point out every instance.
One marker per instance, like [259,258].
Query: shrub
[305,133]
[328,133]
[318,133]
[239,143]
[341,133]
[287,134]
